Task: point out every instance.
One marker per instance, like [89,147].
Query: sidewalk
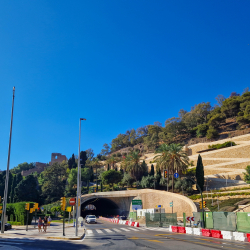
[55,231]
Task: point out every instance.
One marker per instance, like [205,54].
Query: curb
[67,238]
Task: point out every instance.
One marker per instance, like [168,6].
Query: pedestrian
[45,223]
[49,221]
[40,222]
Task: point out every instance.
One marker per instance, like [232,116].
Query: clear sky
[119,64]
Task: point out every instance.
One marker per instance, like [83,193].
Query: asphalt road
[108,236]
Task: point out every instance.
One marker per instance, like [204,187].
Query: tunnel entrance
[101,207]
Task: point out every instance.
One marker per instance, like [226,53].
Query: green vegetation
[200,173]
[247,175]
[223,145]
[198,196]
[224,206]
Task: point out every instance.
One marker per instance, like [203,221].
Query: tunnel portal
[103,207]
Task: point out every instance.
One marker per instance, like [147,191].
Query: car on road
[7,226]
[90,219]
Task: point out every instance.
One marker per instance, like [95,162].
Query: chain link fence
[160,219]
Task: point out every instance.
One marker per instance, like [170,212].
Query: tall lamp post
[78,179]
[7,172]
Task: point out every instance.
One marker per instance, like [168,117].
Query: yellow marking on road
[155,241]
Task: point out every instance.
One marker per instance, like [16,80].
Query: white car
[91,219]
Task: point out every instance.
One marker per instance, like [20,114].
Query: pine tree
[108,167]
[14,184]
[152,172]
[200,173]
[92,174]
[18,178]
[101,187]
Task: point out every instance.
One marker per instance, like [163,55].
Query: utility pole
[7,171]
[78,198]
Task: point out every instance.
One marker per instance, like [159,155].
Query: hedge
[223,145]
[16,213]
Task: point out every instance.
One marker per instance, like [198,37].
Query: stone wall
[39,167]
[57,157]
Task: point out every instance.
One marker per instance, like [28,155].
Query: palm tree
[172,156]
[134,166]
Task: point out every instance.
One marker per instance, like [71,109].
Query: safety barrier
[175,229]
[227,235]
[240,236]
[182,230]
[206,232]
[197,231]
[189,230]
[216,234]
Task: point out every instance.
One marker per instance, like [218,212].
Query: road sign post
[172,205]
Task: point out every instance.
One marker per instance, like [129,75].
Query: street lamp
[78,180]
[7,171]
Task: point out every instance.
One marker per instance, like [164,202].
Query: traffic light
[35,206]
[1,209]
[204,204]
[165,174]
[79,202]
[27,206]
[63,203]
[31,210]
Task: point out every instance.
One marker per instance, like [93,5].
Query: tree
[71,183]
[212,133]
[152,172]
[148,181]
[247,175]
[26,190]
[72,162]
[22,167]
[86,174]
[172,157]
[83,158]
[54,182]
[13,185]
[220,99]
[231,106]
[111,177]
[106,149]
[128,180]
[200,173]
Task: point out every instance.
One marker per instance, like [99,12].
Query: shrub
[223,145]
[212,133]
[119,154]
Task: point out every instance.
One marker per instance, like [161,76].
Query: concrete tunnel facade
[120,202]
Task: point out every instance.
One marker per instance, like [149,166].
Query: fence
[160,219]
[243,222]
[227,221]
[133,215]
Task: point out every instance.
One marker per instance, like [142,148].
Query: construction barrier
[175,229]
[206,232]
[189,230]
[227,235]
[170,228]
[240,236]
[216,234]
[182,230]
[197,231]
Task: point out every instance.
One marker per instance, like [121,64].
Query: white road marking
[89,232]
[133,229]
[125,229]
[108,230]
[117,230]
[99,231]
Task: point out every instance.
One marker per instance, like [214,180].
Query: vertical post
[7,171]
[73,215]
[218,202]
[167,179]
[184,219]
[35,220]
[63,223]
[212,198]
[172,207]
[27,221]
[160,217]
[78,175]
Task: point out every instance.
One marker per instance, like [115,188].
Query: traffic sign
[72,201]
[176,175]
[42,209]
[171,204]
[190,218]
[159,205]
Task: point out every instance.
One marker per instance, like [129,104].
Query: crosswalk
[93,232]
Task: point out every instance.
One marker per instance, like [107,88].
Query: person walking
[45,223]
[49,221]
[40,222]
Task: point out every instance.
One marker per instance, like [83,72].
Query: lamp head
[82,119]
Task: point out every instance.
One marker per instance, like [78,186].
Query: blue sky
[119,64]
